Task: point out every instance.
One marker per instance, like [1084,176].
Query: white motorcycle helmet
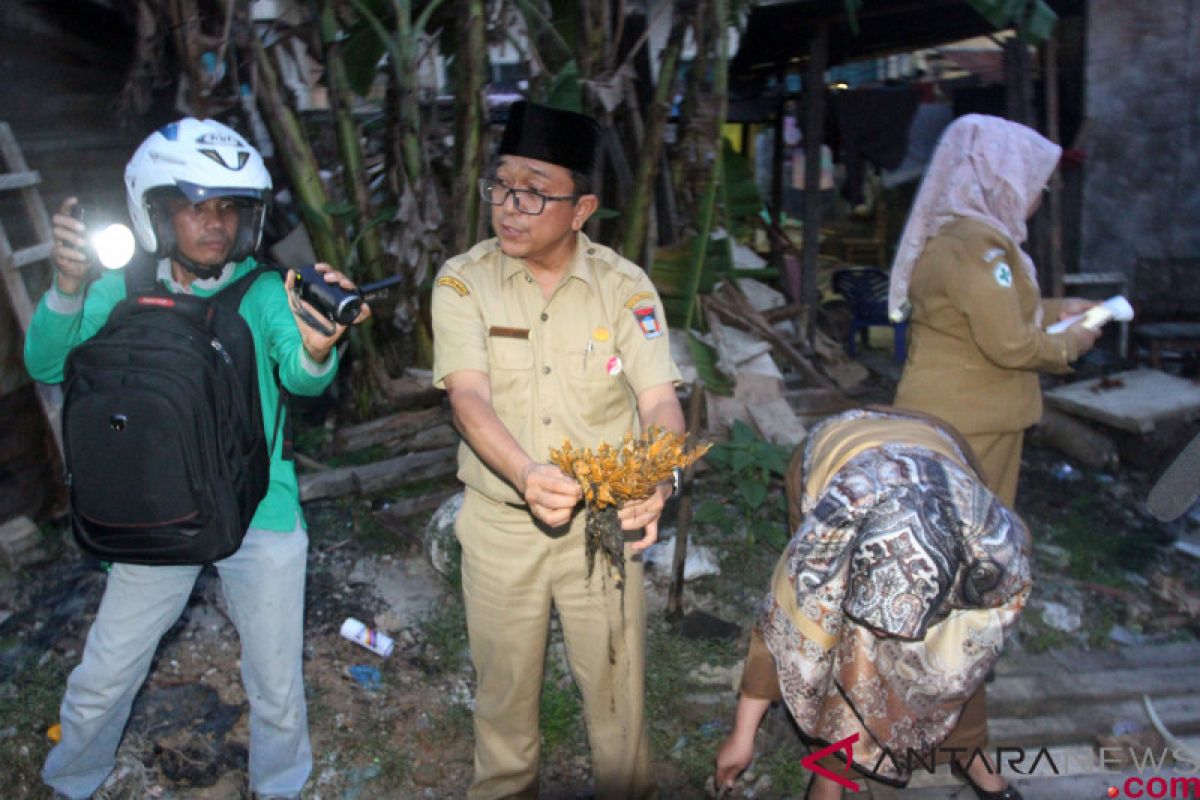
[200,160]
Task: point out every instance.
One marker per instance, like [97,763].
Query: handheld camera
[335,303]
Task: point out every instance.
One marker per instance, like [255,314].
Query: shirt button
[545,420]
[546,370]
[591,251]
[545,316]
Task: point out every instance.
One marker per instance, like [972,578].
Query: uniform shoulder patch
[647,320]
[455,284]
[638,298]
[1003,275]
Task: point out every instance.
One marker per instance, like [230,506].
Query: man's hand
[70,263]
[637,514]
[1070,306]
[317,344]
[551,495]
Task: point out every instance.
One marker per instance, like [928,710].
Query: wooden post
[1055,209]
[777,155]
[684,518]
[814,125]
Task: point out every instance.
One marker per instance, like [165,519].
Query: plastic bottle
[373,640]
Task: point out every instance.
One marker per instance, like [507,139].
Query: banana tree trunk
[406,85]
[720,98]
[469,122]
[636,216]
[298,159]
[372,261]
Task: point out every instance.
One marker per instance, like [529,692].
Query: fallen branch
[377,477]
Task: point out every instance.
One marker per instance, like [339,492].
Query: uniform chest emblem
[1003,275]
[600,334]
[648,321]
[614,366]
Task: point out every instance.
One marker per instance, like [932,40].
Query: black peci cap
[552,135]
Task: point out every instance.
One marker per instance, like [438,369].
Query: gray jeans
[263,584]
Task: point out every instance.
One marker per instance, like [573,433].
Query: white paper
[1116,307]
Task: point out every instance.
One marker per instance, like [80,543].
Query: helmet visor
[196,193]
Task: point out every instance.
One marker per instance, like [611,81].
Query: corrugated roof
[778,33]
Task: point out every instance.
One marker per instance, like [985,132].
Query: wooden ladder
[15,175]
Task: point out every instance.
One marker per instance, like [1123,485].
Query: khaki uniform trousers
[512,571]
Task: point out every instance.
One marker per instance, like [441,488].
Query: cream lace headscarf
[984,168]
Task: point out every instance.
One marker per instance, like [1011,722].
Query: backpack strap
[141,276]
[231,297]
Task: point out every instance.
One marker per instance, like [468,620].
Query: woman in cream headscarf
[978,337]
[890,603]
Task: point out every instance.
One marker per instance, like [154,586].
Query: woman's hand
[734,755]
[1070,306]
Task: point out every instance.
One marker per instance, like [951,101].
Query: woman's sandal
[1007,793]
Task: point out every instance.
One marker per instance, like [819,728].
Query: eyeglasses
[526,201]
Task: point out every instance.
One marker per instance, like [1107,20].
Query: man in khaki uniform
[540,336]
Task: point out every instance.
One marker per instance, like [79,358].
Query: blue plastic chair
[866,291]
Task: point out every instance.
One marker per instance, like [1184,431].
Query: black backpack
[163,438]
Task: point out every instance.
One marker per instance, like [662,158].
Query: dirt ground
[1107,577]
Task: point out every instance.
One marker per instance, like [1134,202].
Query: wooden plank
[1180,713]
[19,180]
[10,152]
[1085,661]
[14,283]
[1061,689]
[32,254]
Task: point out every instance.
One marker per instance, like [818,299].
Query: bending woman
[891,602]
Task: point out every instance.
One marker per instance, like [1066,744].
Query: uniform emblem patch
[992,254]
[648,322]
[455,284]
[1003,275]
[614,366]
[637,298]
[600,334]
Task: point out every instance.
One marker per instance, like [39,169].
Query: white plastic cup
[357,632]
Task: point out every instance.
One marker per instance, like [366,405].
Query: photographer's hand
[317,344]
[70,263]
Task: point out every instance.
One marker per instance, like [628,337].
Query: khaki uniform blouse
[976,345]
[567,368]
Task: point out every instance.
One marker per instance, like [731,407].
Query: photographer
[196,193]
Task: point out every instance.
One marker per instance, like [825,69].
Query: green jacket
[63,321]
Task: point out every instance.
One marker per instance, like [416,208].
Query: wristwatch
[676,481]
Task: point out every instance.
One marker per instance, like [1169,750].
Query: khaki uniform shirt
[567,368]
[976,344]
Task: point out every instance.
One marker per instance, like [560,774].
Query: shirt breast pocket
[598,385]
[511,363]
